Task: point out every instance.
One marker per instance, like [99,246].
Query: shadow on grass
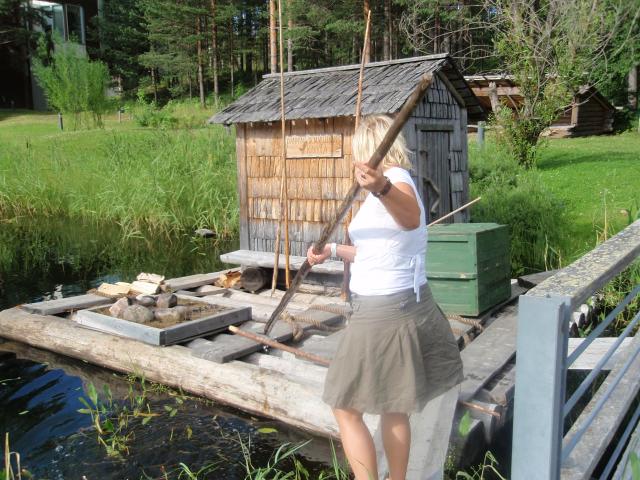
[573,158]
[8,114]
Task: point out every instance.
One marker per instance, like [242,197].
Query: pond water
[40,391]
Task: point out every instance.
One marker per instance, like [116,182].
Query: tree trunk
[437,41]
[214,49]
[367,8]
[289,39]
[272,36]
[155,86]
[386,39]
[231,62]
[200,60]
[633,88]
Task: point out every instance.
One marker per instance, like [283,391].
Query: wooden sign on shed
[319,112]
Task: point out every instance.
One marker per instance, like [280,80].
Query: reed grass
[143,179]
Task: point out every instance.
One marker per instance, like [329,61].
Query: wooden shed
[319,108]
[590,113]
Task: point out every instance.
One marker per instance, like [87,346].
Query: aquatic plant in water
[115,422]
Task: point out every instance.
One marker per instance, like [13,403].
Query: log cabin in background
[590,113]
[320,117]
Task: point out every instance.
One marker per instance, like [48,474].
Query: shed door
[433,172]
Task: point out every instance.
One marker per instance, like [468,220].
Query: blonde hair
[369,135]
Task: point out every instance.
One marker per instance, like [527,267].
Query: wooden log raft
[249,387]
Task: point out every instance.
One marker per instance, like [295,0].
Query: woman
[398,351]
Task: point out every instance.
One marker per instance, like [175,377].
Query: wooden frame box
[181,332]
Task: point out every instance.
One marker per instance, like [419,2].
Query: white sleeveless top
[388,258]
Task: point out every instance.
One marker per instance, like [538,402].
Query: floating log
[253,279]
[239,384]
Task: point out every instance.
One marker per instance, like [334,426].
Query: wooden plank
[239,384]
[502,389]
[250,258]
[115,326]
[241,156]
[324,347]
[317,295]
[62,305]
[225,347]
[533,279]
[489,352]
[584,458]
[259,312]
[193,281]
[594,352]
[623,470]
[240,298]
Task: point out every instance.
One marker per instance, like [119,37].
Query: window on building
[75,22]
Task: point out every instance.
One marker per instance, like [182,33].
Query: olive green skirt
[395,355]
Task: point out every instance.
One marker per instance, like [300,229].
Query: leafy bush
[149,115]
[75,85]
[625,119]
[172,115]
[518,198]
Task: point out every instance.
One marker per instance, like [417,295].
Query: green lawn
[581,191]
[596,177]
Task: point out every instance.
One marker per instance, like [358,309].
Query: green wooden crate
[468,266]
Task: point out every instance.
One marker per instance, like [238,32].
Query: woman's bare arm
[400,201]
[345,252]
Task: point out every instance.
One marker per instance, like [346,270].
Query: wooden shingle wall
[436,138]
[316,186]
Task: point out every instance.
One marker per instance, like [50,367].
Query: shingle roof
[332,92]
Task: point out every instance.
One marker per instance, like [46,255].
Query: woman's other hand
[316,259]
[370,179]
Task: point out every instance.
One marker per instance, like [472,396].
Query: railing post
[480,137]
[543,331]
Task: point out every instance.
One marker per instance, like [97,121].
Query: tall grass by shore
[141,178]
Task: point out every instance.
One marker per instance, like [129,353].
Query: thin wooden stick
[374,161]
[346,294]
[281,346]
[284,197]
[479,408]
[444,217]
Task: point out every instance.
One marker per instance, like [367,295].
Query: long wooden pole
[374,161]
[444,217]
[284,197]
[281,346]
[347,266]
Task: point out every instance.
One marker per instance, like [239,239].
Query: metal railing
[540,446]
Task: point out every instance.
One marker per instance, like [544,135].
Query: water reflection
[50,258]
